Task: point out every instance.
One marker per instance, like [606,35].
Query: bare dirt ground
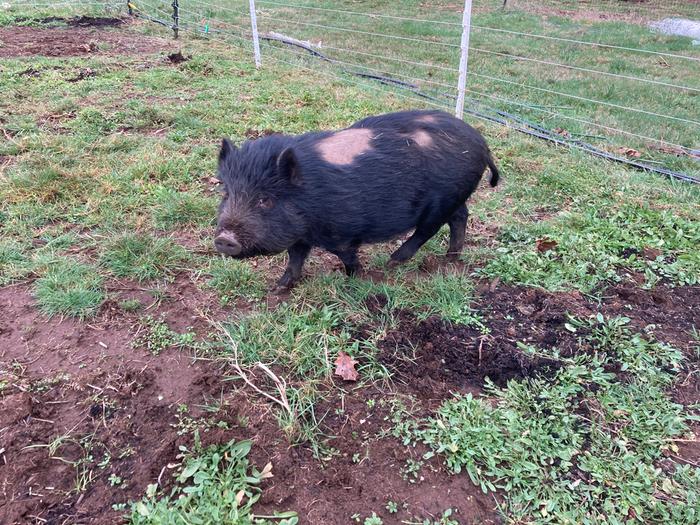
[86,381]
[83,36]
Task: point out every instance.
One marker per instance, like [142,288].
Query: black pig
[368,183]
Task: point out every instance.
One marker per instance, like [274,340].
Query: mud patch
[434,358]
[178,58]
[115,410]
[672,313]
[75,41]
[366,471]
[94,21]
[110,409]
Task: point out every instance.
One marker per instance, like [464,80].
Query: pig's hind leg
[458,227]
[297,255]
[349,259]
[408,249]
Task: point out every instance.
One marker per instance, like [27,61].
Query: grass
[593,245]
[69,288]
[507,71]
[142,256]
[232,279]
[533,443]
[107,187]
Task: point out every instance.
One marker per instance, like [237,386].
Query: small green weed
[157,336]
[215,484]
[373,520]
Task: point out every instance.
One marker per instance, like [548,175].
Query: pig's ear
[227,151]
[288,166]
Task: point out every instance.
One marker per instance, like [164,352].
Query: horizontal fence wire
[585,43]
[519,84]
[488,118]
[456,24]
[448,86]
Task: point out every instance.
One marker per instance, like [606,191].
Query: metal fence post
[464,58]
[176,17]
[128,6]
[254,25]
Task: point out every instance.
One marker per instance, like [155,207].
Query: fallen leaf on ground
[345,367]
[651,253]
[630,152]
[545,245]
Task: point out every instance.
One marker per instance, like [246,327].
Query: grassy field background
[615,97]
[107,205]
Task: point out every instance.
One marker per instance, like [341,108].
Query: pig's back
[383,175]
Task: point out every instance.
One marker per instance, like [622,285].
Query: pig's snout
[227,244]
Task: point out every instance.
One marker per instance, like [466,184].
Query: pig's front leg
[297,255]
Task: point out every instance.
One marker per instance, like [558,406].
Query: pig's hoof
[393,263]
[281,289]
[452,256]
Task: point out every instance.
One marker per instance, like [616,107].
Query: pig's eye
[265,203]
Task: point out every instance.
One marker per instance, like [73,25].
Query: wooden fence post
[176,17]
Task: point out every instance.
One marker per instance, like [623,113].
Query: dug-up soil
[81,36]
[86,383]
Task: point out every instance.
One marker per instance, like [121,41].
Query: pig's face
[257,214]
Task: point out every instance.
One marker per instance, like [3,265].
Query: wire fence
[589,74]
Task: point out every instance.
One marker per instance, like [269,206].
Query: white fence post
[256,41]
[464,58]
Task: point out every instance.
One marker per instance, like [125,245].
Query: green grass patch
[71,288]
[232,279]
[594,244]
[175,209]
[14,262]
[143,256]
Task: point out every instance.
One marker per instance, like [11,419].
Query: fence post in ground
[464,58]
[128,6]
[176,17]
[256,40]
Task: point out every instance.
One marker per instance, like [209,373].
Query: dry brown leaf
[266,472]
[651,253]
[545,245]
[345,367]
[630,152]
